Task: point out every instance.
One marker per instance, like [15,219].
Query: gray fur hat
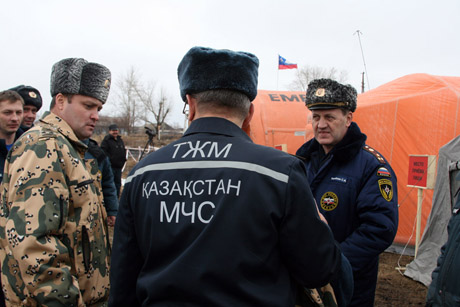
[330,94]
[78,76]
[204,69]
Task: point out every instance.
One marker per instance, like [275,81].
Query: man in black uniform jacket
[114,147]
[214,219]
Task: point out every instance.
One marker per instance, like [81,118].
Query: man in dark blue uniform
[11,113]
[32,104]
[444,289]
[352,183]
[213,219]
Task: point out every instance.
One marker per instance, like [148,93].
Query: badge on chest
[329,201]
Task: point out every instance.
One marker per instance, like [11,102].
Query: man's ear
[60,99]
[191,107]
[247,120]
[349,118]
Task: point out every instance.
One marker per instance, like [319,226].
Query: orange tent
[280,118]
[415,114]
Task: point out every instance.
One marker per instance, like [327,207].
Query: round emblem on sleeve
[329,201]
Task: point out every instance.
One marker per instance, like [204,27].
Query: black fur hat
[329,94]
[204,69]
[30,95]
[78,76]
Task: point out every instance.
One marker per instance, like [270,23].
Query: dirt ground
[395,289]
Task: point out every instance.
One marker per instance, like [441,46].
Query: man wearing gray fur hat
[353,184]
[53,232]
[213,219]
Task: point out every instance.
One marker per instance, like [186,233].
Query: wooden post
[419,219]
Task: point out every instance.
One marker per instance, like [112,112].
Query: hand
[111,220]
[320,215]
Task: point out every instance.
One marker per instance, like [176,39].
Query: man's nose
[95,115]
[16,117]
[322,123]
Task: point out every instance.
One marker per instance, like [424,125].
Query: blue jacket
[4,151]
[356,190]
[444,289]
[215,220]
[107,183]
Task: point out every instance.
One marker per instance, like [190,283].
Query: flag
[283,64]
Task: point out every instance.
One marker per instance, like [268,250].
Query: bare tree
[154,104]
[308,73]
[140,101]
[129,102]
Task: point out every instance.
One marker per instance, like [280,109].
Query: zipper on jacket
[85,248]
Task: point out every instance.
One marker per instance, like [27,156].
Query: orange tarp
[415,114]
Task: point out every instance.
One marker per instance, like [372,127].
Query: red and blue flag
[283,64]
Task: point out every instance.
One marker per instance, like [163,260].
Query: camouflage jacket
[53,236]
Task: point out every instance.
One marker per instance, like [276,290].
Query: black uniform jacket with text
[215,220]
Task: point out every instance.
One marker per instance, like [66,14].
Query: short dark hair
[53,100]
[10,96]
[228,100]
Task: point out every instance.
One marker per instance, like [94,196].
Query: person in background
[108,185]
[352,183]
[444,289]
[114,147]
[32,104]
[213,219]
[54,247]
[11,112]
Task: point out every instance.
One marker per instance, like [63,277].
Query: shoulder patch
[47,132]
[386,188]
[374,153]
[383,172]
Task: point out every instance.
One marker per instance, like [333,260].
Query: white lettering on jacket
[191,188]
[206,150]
[182,211]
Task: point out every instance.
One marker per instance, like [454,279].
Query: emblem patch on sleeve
[386,188]
[383,172]
[329,201]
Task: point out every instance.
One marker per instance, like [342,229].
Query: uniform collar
[61,126]
[216,125]
[346,149]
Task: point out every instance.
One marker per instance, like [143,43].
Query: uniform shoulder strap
[374,152]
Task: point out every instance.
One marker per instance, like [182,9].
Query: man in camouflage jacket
[53,236]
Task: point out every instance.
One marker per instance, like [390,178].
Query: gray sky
[399,37]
